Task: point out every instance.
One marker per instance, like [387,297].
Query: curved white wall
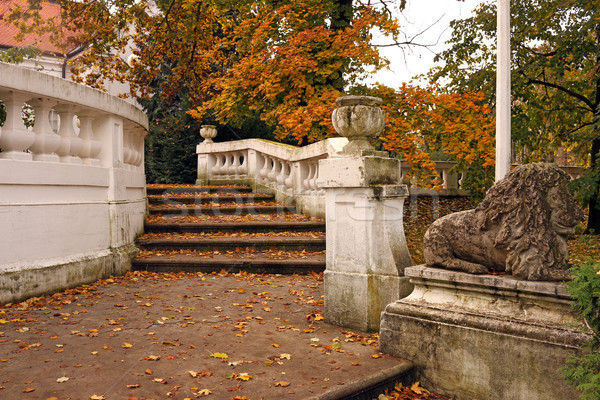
[72,202]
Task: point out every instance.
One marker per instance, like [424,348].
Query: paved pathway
[178,336]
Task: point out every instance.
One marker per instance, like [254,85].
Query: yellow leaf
[63,379]
[203,392]
[3,321]
[127,345]
[219,355]
[417,389]
[285,355]
[97,397]
[243,377]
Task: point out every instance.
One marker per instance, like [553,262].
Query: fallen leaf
[152,358]
[135,386]
[127,345]
[219,355]
[97,397]
[282,384]
[417,389]
[148,371]
[275,345]
[28,390]
[203,392]
[243,377]
[62,379]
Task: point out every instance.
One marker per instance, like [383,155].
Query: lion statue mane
[519,228]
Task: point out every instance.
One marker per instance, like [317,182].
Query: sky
[421,16]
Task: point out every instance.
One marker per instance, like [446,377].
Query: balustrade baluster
[91,147]
[313,178]
[289,180]
[15,138]
[225,168]
[235,165]
[272,175]
[70,143]
[138,147]
[265,168]
[46,141]
[216,169]
[281,175]
[445,178]
[127,146]
[243,169]
[306,181]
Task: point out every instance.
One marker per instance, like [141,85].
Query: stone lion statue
[520,228]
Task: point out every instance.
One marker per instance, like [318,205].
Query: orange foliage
[424,120]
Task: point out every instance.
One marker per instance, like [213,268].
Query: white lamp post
[503,141]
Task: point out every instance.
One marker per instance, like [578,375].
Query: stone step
[185,189]
[281,243]
[241,226]
[211,228]
[239,198]
[224,209]
[257,264]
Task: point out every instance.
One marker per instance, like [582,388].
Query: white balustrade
[289,172]
[72,197]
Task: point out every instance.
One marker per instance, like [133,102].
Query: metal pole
[503,142]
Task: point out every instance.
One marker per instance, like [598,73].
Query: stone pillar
[503,94]
[208,132]
[366,247]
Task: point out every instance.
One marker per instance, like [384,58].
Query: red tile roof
[8,30]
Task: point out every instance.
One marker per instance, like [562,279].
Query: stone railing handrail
[89,139]
[44,85]
[289,172]
[72,186]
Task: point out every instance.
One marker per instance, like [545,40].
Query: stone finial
[208,132]
[358,118]
[520,228]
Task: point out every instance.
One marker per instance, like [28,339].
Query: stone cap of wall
[40,84]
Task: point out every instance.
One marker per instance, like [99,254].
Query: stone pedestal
[483,336]
[366,246]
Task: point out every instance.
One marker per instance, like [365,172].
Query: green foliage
[170,147]
[587,186]
[477,179]
[555,77]
[583,371]
[16,55]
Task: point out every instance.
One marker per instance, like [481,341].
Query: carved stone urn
[208,132]
[358,118]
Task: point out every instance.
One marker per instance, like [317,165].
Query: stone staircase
[213,228]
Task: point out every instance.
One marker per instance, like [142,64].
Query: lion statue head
[520,227]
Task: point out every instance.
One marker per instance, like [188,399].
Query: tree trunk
[593,226]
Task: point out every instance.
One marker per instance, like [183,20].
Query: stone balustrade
[72,199]
[287,171]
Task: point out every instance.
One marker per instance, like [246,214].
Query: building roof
[43,42]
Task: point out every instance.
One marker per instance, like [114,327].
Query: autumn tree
[422,121]
[282,61]
[555,78]
[285,60]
